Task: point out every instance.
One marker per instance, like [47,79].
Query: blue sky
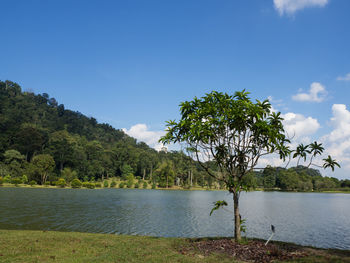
[129,63]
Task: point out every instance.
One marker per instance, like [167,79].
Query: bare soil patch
[250,250]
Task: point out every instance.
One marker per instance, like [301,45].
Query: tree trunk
[237,217]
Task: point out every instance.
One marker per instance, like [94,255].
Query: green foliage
[217,205]
[121,185]
[113,184]
[154,186]
[16,181]
[145,185]
[81,148]
[1,180]
[214,122]
[166,175]
[31,183]
[88,185]
[105,184]
[61,183]
[127,171]
[234,132]
[98,185]
[24,179]
[15,162]
[76,183]
[68,174]
[42,166]
[250,181]
[243,225]
[7,179]
[47,183]
[130,181]
[136,185]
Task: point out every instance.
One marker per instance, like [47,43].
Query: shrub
[145,185]
[68,174]
[24,179]
[154,186]
[113,184]
[130,181]
[98,185]
[105,184]
[32,182]
[121,185]
[61,183]
[136,185]
[1,180]
[16,181]
[47,183]
[89,185]
[76,183]
[7,179]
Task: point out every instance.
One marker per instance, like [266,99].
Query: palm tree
[301,151]
[316,149]
[329,162]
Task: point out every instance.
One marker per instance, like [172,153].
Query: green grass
[39,246]
[49,246]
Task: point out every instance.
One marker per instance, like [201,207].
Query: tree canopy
[234,132]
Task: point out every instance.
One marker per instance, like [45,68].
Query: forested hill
[35,124]
[42,141]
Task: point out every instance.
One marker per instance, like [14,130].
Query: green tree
[62,147]
[43,165]
[166,175]
[15,162]
[130,179]
[126,171]
[68,174]
[329,162]
[301,152]
[234,132]
[29,140]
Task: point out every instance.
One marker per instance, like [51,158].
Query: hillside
[42,140]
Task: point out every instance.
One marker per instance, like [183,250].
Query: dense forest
[42,142]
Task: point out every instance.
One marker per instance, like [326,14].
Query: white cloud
[337,142]
[345,78]
[299,127]
[142,133]
[291,6]
[317,93]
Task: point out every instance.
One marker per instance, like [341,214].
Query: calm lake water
[321,220]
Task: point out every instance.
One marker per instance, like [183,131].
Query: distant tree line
[298,178]
[42,142]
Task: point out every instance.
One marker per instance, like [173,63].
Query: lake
[317,219]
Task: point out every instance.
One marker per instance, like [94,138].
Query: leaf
[217,205]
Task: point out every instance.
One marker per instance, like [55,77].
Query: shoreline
[8,185]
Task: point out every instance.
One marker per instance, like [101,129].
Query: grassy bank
[42,246]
